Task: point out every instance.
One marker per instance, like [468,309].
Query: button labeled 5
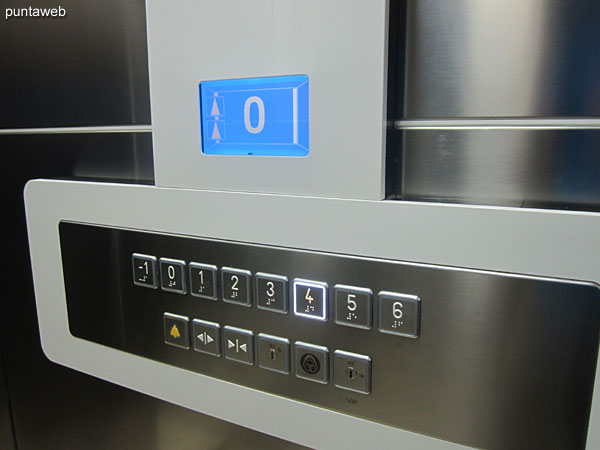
[353,306]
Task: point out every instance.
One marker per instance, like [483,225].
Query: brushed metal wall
[501,104]
[85,71]
[514,58]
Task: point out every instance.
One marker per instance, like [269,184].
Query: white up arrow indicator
[215,133]
[215,109]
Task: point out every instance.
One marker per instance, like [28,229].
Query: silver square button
[352,371]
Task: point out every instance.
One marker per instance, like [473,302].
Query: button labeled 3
[271,292]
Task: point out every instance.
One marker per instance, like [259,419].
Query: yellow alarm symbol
[175,332]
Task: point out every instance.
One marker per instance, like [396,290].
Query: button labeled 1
[352,306]
[203,281]
[310,299]
[399,314]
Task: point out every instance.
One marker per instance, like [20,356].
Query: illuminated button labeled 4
[239,344]
[310,299]
[172,275]
[353,306]
[236,286]
[399,314]
[176,330]
[145,270]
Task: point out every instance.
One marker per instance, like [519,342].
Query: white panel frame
[559,244]
[340,44]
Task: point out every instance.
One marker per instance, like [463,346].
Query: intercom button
[239,344]
[312,362]
[207,337]
[176,330]
[236,286]
[310,299]
[272,292]
[172,275]
[203,280]
[353,306]
[352,371]
[399,314]
[274,353]
[145,272]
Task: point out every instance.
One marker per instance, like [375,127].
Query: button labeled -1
[310,299]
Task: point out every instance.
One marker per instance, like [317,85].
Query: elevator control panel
[384,340]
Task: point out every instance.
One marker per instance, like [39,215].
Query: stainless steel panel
[88,68]
[501,361]
[529,168]
[514,58]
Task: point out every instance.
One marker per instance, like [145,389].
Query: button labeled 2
[236,286]
[353,306]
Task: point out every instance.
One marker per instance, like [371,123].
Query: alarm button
[399,314]
[176,330]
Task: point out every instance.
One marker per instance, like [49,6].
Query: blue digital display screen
[255,116]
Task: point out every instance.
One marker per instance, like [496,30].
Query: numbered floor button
[172,275]
[399,314]
[272,292]
[176,330]
[352,371]
[203,281]
[353,306]
[312,362]
[238,344]
[236,286]
[145,270]
[274,353]
[207,337]
[310,299]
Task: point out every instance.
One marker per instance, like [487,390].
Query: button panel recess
[372,338]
